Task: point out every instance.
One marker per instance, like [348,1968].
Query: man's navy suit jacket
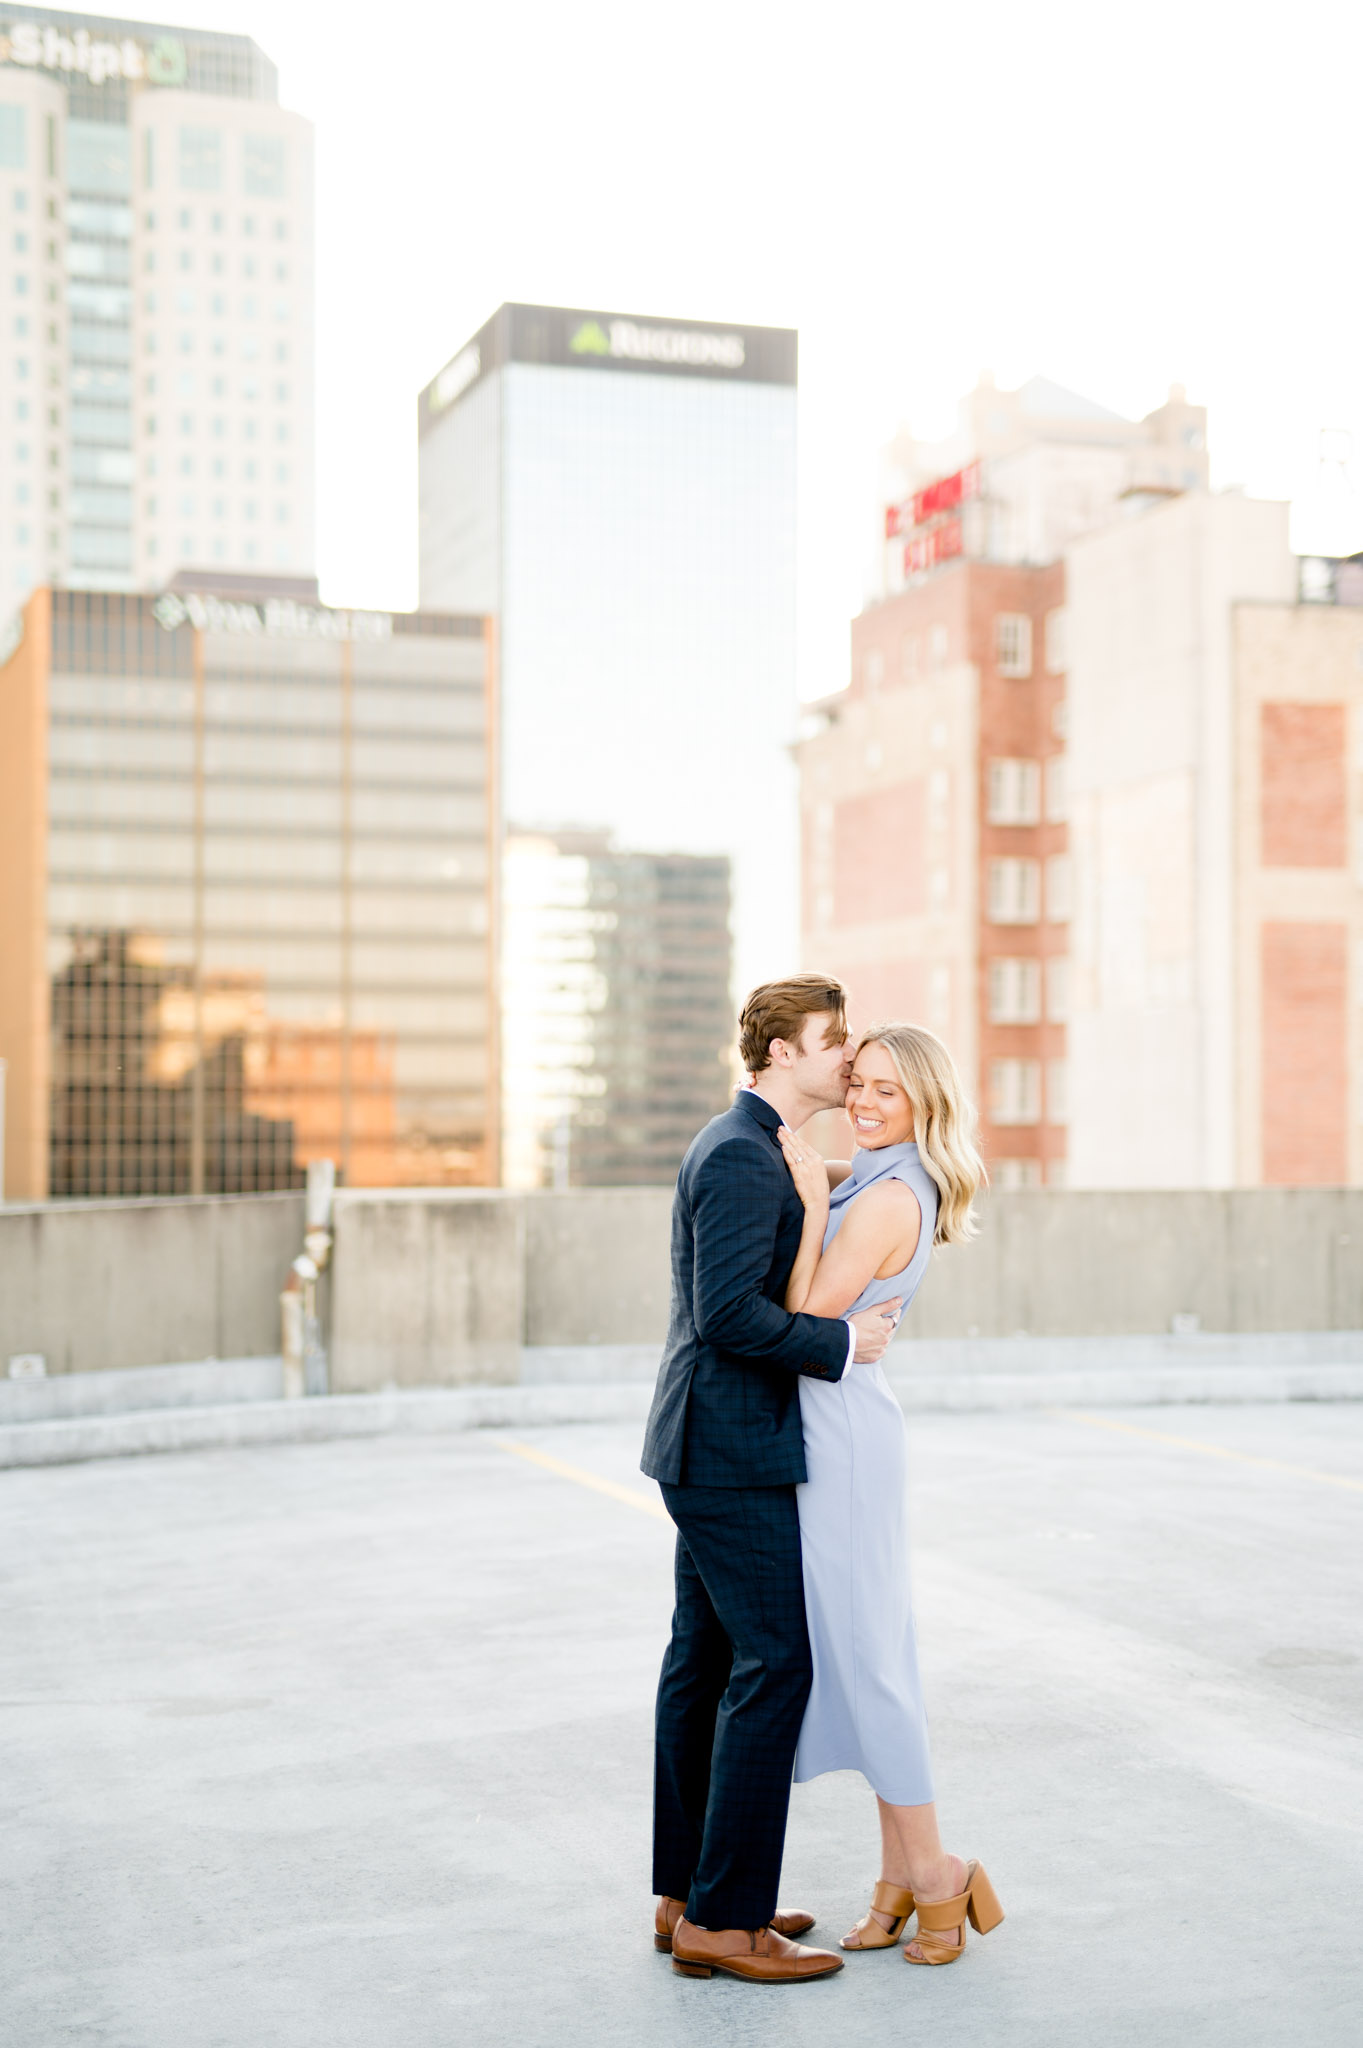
[726,1409]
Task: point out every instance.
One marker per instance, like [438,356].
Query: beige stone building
[1215,750]
[245,895]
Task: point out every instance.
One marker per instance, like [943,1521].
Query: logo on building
[685,348]
[591,339]
[48,49]
[276,619]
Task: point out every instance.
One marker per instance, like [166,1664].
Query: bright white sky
[1116,198]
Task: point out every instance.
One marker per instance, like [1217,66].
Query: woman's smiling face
[878,1108]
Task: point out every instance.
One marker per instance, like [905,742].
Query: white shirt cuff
[852,1340]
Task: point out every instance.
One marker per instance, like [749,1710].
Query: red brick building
[936,879]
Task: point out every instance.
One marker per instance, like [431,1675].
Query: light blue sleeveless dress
[865,1710]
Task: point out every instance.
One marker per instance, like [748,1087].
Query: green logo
[590,340]
[166,62]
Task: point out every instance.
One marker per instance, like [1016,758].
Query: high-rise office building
[618,492]
[619,1022]
[156,296]
[244,894]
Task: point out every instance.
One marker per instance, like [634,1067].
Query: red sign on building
[943,496]
[939,544]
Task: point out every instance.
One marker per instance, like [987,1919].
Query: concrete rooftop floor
[350,1744]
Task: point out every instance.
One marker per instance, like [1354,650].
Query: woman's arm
[878,1237]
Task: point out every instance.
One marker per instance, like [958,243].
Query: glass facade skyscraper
[244,887]
[618,492]
[156,292]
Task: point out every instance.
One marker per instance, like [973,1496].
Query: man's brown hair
[778,1010]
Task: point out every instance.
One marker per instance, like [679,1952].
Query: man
[725,1445]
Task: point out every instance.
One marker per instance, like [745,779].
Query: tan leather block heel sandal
[889,1899]
[978,1903]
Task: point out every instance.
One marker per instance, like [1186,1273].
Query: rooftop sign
[576,338]
[44,48]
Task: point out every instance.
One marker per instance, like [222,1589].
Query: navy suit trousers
[735,1679]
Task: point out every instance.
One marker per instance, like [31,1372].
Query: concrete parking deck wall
[442,1288]
[1051,1264]
[99,1286]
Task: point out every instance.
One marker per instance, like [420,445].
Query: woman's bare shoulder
[889,1203]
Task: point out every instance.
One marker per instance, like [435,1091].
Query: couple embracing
[780,1452]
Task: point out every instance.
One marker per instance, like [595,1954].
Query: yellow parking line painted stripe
[630,1495]
[1192,1443]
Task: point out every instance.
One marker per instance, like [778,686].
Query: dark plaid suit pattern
[724,1441]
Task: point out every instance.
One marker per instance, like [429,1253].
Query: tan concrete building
[1216,744]
[245,895]
[936,880]
[1299,914]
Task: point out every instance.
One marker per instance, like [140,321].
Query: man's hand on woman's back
[874,1328]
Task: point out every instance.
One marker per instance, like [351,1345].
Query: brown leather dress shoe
[757,1953]
[670,1911]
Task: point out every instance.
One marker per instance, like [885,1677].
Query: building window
[1014,792]
[1057,641]
[874,667]
[200,160]
[1014,891]
[262,164]
[1013,642]
[1057,1091]
[1010,1175]
[1059,907]
[939,646]
[1057,791]
[1057,989]
[13,138]
[1015,991]
[1015,1091]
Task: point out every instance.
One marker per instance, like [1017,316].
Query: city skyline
[1155,266]
[1276,368]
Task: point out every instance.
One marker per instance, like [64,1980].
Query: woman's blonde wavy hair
[944,1122]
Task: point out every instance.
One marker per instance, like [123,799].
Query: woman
[868,1235]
